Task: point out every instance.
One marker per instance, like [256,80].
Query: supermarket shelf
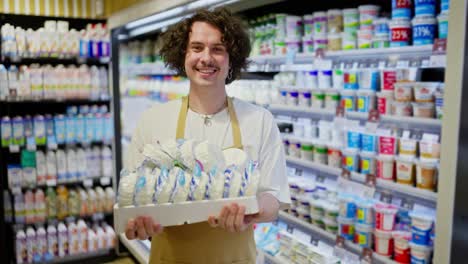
[267,258]
[56,61]
[92,218]
[137,248]
[80,258]
[277,108]
[329,237]
[425,197]
[147,69]
[52,101]
[382,53]
[88,182]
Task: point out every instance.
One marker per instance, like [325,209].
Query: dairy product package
[31,244]
[52,243]
[21,247]
[62,239]
[198,184]
[40,206]
[232,182]
[181,187]
[82,236]
[73,239]
[210,156]
[144,187]
[41,239]
[126,188]
[251,179]
[168,183]
[156,155]
[19,208]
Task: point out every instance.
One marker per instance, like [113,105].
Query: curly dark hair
[234,33]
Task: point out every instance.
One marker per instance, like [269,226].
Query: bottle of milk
[72,165]
[62,240]
[52,243]
[41,238]
[41,168]
[82,236]
[82,171]
[51,160]
[29,207]
[31,244]
[92,241]
[73,238]
[21,248]
[40,206]
[107,164]
[62,170]
[19,208]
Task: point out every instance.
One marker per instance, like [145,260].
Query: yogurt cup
[307,150]
[439,104]
[304,98]
[365,101]
[424,7]
[420,253]
[443,25]
[331,226]
[367,15]
[349,40]
[292,98]
[332,98]
[351,79]
[334,41]
[331,211]
[369,142]
[280,46]
[369,79]
[338,79]
[426,175]
[401,245]
[424,91]
[318,220]
[407,147]
[325,79]
[303,202]
[353,138]
[351,20]
[307,45]
[363,235]
[385,215]
[402,109]
[400,29]
[348,100]
[283,96]
[387,145]
[294,148]
[421,226]
[365,212]
[293,45]
[444,6]
[335,21]
[311,79]
[316,208]
[425,110]
[381,41]
[401,9]
[351,159]
[383,243]
[424,29]
[334,156]
[347,206]
[381,26]
[405,170]
[293,26]
[403,91]
[429,151]
[318,98]
[368,163]
[321,153]
[320,23]
[385,167]
[301,212]
[308,24]
[364,38]
[384,102]
[388,78]
[320,41]
[346,228]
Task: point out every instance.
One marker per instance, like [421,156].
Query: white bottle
[73,239]
[19,209]
[101,237]
[21,248]
[41,239]
[51,160]
[62,171]
[40,206]
[41,168]
[110,235]
[62,240]
[95,88]
[52,243]
[90,163]
[92,241]
[82,236]
[106,156]
[97,162]
[30,215]
[31,243]
[101,199]
[82,171]
[72,165]
[110,200]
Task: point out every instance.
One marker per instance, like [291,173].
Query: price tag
[320,179]
[439,47]
[346,174]
[319,53]
[386,197]
[98,216]
[402,64]
[374,116]
[397,201]
[366,256]
[88,183]
[314,241]
[371,180]
[382,64]
[340,111]
[298,172]
[105,181]
[339,242]
[31,143]
[14,148]
[438,61]
[51,182]
[407,204]
[290,229]
[51,143]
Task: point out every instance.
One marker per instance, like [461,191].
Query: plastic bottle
[62,240]
[73,238]
[101,199]
[73,203]
[51,160]
[13,81]
[82,236]
[104,83]
[83,203]
[111,239]
[21,247]
[107,164]
[90,163]
[95,85]
[18,131]
[19,209]
[41,239]
[62,202]
[92,207]
[40,206]
[72,165]
[101,238]
[96,166]
[7,131]
[31,244]
[3,82]
[80,129]
[70,127]
[59,125]
[41,168]
[110,199]
[92,241]
[29,207]
[84,44]
[108,128]
[82,171]
[52,243]
[62,170]
[51,202]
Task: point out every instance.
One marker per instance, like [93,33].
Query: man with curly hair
[211,49]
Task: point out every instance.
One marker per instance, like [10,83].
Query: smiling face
[206,59]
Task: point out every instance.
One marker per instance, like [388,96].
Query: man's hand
[142,228]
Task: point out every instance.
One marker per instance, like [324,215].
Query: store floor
[123,260]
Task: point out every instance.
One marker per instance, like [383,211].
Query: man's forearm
[269,207]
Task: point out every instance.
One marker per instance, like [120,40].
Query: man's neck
[207,100]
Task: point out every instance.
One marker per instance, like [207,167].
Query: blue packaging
[369,142]
[347,206]
[80,129]
[59,125]
[444,5]
[84,51]
[424,30]
[353,139]
[351,160]
[49,123]
[99,127]
[381,26]
[421,227]
[401,9]
[369,79]
[89,125]
[108,127]
[351,80]
[7,131]
[365,101]
[70,129]
[425,7]
[443,25]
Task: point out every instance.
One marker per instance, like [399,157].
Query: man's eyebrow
[200,43]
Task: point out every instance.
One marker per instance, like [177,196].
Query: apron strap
[236,134]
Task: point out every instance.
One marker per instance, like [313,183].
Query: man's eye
[219,49]
[196,48]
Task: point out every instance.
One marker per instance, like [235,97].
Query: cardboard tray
[180,213]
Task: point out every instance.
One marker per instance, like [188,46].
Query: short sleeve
[272,164]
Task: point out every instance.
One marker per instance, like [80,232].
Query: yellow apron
[200,243]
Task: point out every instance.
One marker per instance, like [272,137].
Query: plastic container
[439,104]
[294,148]
[321,42]
[381,41]
[424,91]
[424,30]
[381,26]
[364,38]
[383,243]
[424,7]
[369,142]
[400,29]
[425,110]
[384,102]
[293,45]
[402,9]
[368,163]
[346,228]
[353,138]
[405,170]
[338,78]
[365,101]
[320,23]
[369,79]
[444,5]
[351,79]
[334,156]
[429,150]
[332,99]
[331,226]
[388,78]
[420,253]
[363,235]
[421,226]
[304,98]
[292,97]
[385,215]
[348,40]
[317,207]
[351,20]
[402,109]
[311,79]
[331,211]
[443,25]
[351,159]
[318,98]
[335,21]
[402,249]
[367,15]
[365,212]
[308,23]
[321,153]
[426,175]
[348,100]
[307,45]
[293,26]
[385,167]
[347,206]
[387,145]
[317,220]
[325,79]
[407,147]
[403,92]
[334,41]
[280,46]
[307,150]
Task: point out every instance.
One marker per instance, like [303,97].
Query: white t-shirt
[260,139]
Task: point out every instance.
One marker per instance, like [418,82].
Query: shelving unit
[138,248]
